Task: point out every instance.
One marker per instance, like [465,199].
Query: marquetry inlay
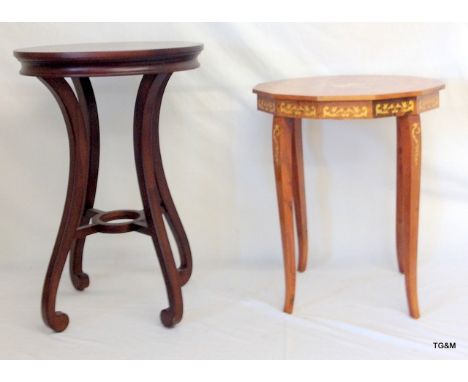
[345,112]
[394,108]
[399,98]
[297,109]
[416,136]
[266,105]
[276,133]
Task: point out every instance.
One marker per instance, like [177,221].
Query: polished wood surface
[80,218]
[347,97]
[300,206]
[283,131]
[408,189]
[87,102]
[108,59]
[339,97]
[349,88]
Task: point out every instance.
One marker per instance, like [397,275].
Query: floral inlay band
[266,105]
[345,112]
[352,109]
[394,108]
[293,109]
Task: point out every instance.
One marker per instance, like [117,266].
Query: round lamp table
[155,61]
[347,97]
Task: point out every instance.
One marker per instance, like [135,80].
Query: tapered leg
[400,203]
[74,204]
[408,190]
[88,106]
[154,191]
[283,162]
[300,208]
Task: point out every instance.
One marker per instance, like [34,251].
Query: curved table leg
[84,90]
[76,193]
[409,175]
[154,191]
[173,219]
[283,162]
[300,209]
[400,202]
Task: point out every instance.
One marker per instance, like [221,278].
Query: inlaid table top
[347,97]
[108,59]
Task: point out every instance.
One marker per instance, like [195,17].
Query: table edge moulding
[108,59]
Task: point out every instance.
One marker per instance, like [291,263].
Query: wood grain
[283,161]
[300,207]
[409,143]
[348,88]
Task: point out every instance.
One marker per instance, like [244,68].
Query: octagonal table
[347,97]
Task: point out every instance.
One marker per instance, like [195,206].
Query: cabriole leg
[300,208]
[283,162]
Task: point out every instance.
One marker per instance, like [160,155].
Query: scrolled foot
[80,280]
[168,318]
[58,321]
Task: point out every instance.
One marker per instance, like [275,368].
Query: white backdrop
[217,154]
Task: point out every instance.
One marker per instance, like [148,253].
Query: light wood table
[347,97]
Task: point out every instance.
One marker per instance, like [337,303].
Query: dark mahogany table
[156,61]
[347,97]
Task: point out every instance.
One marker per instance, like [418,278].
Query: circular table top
[349,88]
[108,59]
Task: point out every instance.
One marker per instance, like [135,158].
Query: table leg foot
[409,175]
[154,191]
[74,204]
[283,162]
[58,321]
[169,318]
